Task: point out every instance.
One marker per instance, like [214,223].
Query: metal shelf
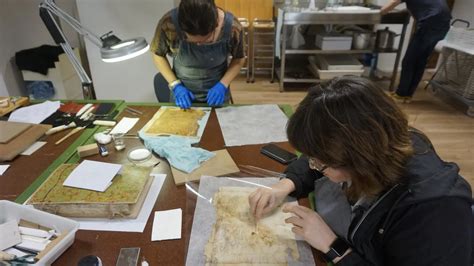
[318,18]
[317,51]
[297,80]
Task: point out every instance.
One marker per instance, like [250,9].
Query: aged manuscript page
[237,240]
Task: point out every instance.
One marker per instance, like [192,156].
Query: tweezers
[261,172]
[133,111]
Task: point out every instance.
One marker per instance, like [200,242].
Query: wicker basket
[458,72]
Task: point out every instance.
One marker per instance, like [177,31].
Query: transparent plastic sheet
[201,217]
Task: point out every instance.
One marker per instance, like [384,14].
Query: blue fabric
[183,96]
[40,90]
[178,151]
[216,95]
[201,66]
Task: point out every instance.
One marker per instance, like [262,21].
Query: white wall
[22,28]
[130,80]
[464,9]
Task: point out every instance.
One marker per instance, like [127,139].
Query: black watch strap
[337,249]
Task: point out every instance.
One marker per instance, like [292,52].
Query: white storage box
[329,74]
[10,210]
[333,42]
[337,62]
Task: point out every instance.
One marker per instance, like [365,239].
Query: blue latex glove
[183,96]
[216,94]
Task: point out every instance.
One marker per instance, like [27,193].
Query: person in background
[199,37]
[382,194]
[432,23]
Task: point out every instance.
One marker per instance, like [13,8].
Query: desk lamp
[112,49]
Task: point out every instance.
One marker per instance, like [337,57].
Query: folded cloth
[38,59]
[178,151]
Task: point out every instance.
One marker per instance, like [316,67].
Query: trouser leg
[431,38]
[420,48]
[409,64]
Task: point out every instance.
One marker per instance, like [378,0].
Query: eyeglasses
[313,164]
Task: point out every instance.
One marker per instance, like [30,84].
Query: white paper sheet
[34,114]
[3,168]
[127,225]
[253,124]
[205,217]
[10,234]
[92,175]
[167,225]
[36,146]
[124,125]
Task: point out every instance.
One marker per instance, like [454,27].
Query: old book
[9,130]
[8,151]
[237,240]
[175,121]
[123,199]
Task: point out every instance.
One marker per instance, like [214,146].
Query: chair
[162,91]
[472,233]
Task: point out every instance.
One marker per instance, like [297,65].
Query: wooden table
[107,245]
[26,173]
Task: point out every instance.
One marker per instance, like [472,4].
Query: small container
[139,155]
[119,141]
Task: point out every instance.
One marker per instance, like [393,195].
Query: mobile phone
[276,153]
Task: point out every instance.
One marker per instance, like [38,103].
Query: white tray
[329,74]
[13,211]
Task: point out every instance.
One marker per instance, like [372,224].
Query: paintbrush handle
[74,131]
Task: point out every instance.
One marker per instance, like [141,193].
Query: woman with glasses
[382,194]
[200,38]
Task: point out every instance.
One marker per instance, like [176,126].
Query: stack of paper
[167,225]
[92,175]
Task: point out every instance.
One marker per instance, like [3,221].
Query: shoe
[400,99]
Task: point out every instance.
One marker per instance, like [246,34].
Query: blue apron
[199,67]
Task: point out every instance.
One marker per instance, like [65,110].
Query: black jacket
[426,220]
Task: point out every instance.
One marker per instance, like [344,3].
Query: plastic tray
[329,74]
[10,210]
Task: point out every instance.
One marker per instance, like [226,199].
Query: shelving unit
[263,47]
[291,18]
[245,27]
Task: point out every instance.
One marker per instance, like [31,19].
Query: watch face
[340,246]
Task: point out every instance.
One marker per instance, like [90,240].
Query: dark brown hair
[197,17]
[350,123]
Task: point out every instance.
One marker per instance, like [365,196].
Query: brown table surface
[107,245]
[24,170]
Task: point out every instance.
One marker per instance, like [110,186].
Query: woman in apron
[200,38]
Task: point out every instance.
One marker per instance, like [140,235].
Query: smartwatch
[337,249]
[173,84]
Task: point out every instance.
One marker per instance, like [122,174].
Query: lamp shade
[124,50]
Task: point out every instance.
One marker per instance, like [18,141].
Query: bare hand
[310,226]
[264,200]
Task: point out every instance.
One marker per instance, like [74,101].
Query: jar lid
[139,155]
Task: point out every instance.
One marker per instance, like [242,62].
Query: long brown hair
[350,123]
